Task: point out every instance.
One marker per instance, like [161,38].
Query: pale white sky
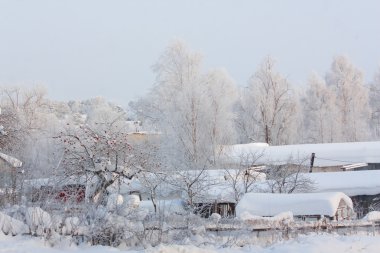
[84,48]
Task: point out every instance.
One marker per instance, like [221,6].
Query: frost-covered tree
[24,124]
[191,108]
[220,100]
[320,112]
[193,111]
[374,101]
[242,178]
[21,111]
[152,174]
[268,110]
[289,178]
[351,99]
[100,155]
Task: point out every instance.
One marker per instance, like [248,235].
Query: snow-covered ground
[303,244]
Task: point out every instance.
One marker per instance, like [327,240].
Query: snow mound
[372,216]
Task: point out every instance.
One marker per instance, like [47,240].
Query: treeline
[336,107]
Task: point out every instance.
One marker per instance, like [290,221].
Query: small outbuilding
[304,206]
[363,187]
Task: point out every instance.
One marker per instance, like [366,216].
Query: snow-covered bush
[71,225]
[215,217]
[11,225]
[38,220]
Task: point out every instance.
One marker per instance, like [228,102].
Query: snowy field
[303,244]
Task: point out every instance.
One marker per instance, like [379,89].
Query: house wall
[343,212]
[371,166]
[328,169]
[225,209]
[307,217]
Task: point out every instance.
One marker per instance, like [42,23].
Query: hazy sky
[81,49]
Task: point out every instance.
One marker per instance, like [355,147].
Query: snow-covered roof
[169,206]
[11,160]
[326,154]
[352,183]
[271,204]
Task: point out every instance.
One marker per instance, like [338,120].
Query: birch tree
[101,155]
[22,121]
[192,108]
[351,99]
[268,107]
[374,101]
[320,112]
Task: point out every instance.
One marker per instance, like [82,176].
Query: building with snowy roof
[328,156]
[306,206]
[362,186]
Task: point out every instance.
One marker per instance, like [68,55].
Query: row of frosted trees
[336,107]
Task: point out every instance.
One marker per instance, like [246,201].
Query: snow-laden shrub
[57,222]
[215,217]
[107,231]
[70,225]
[11,225]
[38,220]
